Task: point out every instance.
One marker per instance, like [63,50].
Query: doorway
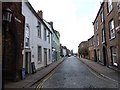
[28,62]
[45,56]
[104,55]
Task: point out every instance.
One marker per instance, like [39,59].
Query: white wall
[35,41]
[64,52]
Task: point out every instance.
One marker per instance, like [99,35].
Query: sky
[72,18]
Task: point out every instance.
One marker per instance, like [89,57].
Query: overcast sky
[72,18]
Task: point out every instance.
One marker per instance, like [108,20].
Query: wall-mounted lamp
[7,15]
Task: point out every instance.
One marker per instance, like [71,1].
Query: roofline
[34,12]
[91,37]
[98,12]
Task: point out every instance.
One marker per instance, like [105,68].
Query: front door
[28,62]
[104,55]
[45,56]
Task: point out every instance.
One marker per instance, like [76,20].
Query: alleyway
[72,73]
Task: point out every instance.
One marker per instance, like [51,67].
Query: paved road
[74,74]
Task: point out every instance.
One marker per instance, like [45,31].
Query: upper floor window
[97,39]
[27,36]
[111,29]
[45,34]
[103,35]
[109,5]
[102,16]
[96,25]
[39,29]
[119,5]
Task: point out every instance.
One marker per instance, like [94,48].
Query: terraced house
[107,34]
[37,40]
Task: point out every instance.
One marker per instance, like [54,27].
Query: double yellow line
[39,86]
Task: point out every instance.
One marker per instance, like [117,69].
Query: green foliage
[83,51]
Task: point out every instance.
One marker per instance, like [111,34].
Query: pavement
[34,78]
[102,70]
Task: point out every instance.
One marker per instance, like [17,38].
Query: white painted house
[37,40]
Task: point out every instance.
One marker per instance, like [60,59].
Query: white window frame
[109,6]
[114,56]
[27,36]
[102,16]
[39,54]
[111,28]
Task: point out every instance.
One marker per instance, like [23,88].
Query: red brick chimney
[40,13]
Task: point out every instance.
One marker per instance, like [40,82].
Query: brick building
[12,42]
[107,34]
[91,47]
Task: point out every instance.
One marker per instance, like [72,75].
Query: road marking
[39,86]
[101,76]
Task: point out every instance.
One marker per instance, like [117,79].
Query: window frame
[111,29]
[39,54]
[114,55]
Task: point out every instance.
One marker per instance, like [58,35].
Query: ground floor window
[39,54]
[113,56]
[98,55]
[49,55]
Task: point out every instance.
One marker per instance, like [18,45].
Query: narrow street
[72,73]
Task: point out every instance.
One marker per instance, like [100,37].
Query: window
[113,56]
[98,55]
[39,29]
[49,37]
[103,35]
[111,29]
[102,16]
[109,5]
[96,25]
[27,36]
[39,54]
[97,39]
[118,5]
[45,37]
[49,55]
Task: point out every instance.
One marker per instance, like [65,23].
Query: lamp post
[6,18]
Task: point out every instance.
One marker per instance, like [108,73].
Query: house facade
[91,48]
[37,40]
[106,34]
[12,41]
[55,43]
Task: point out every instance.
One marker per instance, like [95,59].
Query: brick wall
[14,42]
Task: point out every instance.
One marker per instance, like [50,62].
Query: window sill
[112,38]
[109,12]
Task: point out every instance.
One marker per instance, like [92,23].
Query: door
[45,56]
[104,55]
[28,62]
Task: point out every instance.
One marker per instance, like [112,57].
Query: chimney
[51,23]
[40,13]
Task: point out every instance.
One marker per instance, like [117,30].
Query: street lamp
[7,15]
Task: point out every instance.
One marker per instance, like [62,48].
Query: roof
[98,12]
[34,12]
